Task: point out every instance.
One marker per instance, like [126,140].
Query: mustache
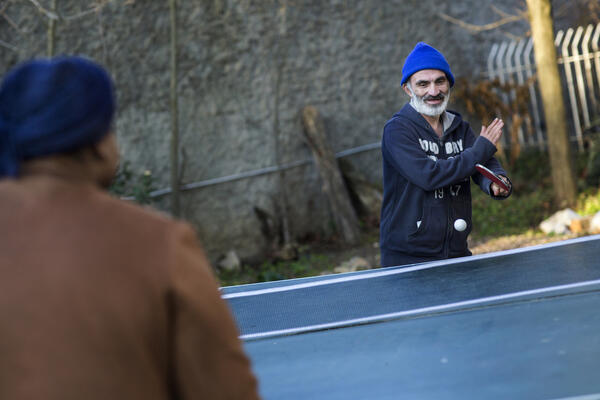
[440,96]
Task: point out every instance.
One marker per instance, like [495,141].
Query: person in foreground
[429,154]
[99,298]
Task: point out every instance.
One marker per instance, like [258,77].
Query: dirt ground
[516,241]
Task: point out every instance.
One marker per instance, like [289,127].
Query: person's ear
[106,153]
[406,90]
[106,149]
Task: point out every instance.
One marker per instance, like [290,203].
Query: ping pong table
[517,324]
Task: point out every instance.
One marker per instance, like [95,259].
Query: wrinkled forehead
[427,75]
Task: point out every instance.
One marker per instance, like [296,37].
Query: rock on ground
[559,222]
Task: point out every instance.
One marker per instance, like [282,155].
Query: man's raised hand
[497,190]
[493,131]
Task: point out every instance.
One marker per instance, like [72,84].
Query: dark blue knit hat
[52,106]
[422,57]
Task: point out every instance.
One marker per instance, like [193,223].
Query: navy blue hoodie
[426,184]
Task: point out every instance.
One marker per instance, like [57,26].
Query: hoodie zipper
[449,227]
[449,224]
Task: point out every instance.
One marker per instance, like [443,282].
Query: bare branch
[9,20]
[93,9]
[562,10]
[514,37]
[498,11]
[486,27]
[8,46]
[41,9]
[82,13]
[518,11]
[100,4]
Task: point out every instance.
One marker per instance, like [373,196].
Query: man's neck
[435,123]
[60,166]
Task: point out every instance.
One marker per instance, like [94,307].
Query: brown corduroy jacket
[100,299]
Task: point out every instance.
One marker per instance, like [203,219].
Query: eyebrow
[437,80]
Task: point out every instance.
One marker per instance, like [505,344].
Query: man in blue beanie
[429,156]
[99,298]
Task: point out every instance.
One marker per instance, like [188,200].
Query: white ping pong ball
[460,224]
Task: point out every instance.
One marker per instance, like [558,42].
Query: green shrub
[517,214]
[532,199]
[588,202]
[131,185]
[305,265]
[529,204]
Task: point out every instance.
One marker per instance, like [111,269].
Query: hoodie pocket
[428,238]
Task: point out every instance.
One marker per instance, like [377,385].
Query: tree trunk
[552,97]
[174,150]
[344,214]
[51,31]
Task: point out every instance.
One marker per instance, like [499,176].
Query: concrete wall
[246,70]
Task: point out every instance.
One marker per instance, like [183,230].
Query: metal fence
[512,64]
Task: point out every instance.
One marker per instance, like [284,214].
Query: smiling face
[429,90]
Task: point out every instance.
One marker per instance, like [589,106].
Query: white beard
[422,107]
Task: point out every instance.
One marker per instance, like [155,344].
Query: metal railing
[578,51]
[257,172]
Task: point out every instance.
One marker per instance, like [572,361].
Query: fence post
[595,40]
[519,67]
[571,86]
[585,46]
[510,70]
[499,64]
[576,57]
[533,94]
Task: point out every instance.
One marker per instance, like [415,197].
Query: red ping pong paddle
[492,176]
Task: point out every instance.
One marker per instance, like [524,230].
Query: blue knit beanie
[422,57]
[52,106]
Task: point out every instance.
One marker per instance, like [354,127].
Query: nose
[433,90]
